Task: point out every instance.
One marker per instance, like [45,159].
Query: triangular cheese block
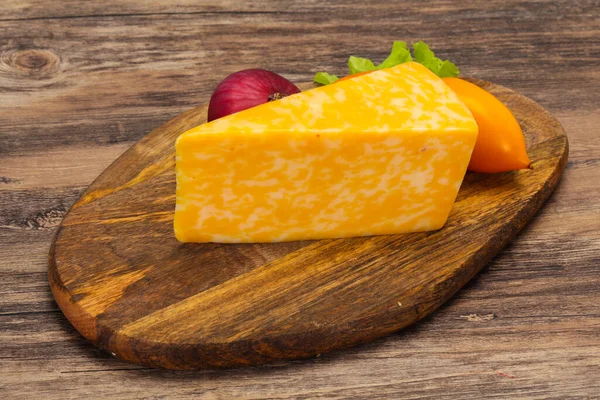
[383,153]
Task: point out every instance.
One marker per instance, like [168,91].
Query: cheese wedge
[383,153]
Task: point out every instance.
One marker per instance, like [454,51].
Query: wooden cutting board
[124,281]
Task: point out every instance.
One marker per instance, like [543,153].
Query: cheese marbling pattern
[382,153]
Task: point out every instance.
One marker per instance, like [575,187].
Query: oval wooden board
[124,281]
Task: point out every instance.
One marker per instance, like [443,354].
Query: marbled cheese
[383,153]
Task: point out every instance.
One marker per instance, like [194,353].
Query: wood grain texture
[122,73]
[124,281]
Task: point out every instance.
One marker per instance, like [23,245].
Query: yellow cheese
[383,153]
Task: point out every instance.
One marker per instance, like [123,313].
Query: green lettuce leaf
[424,55]
[448,70]
[357,64]
[399,55]
[324,78]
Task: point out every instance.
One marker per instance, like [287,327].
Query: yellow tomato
[500,144]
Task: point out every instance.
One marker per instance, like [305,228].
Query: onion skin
[248,88]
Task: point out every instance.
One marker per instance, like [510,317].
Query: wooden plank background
[82,81]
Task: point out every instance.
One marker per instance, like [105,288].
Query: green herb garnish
[399,55]
[324,78]
[424,55]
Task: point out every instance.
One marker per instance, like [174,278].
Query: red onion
[248,88]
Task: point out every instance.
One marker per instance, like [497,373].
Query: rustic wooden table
[80,82]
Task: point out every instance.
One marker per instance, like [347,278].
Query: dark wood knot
[34,62]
